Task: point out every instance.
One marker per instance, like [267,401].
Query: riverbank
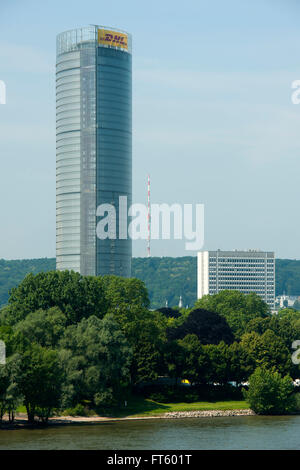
[21,418]
[169,415]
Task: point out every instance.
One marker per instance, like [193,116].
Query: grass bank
[143,407]
[139,407]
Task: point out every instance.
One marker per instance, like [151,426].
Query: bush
[171,394]
[269,393]
[297,401]
[191,397]
[165,393]
[105,400]
[159,397]
[209,392]
[78,410]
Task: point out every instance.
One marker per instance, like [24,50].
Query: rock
[208,413]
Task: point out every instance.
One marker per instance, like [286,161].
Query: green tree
[75,295]
[145,332]
[227,363]
[208,326]
[9,395]
[170,312]
[267,350]
[218,370]
[147,353]
[39,381]
[44,327]
[288,312]
[269,393]
[192,355]
[121,291]
[166,278]
[96,358]
[239,362]
[6,335]
[186,358]
[258,325]
[286,325]
[237,308]
[174,359]
[4,385]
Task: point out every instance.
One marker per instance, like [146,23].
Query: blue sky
[213,120]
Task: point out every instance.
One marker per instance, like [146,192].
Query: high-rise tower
[94,146]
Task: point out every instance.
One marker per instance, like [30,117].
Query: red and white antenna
[149,219]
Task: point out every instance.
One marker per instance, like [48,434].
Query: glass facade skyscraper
[94,147]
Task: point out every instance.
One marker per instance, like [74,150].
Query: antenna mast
[149,219]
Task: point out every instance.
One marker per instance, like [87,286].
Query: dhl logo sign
[112,38]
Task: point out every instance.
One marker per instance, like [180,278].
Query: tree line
[165,278]
[92,341]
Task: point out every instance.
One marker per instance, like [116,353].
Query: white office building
[246,271]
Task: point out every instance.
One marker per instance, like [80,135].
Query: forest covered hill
[166,278]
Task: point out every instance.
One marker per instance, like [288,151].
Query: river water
[238,432]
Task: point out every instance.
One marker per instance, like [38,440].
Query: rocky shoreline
[208,413]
